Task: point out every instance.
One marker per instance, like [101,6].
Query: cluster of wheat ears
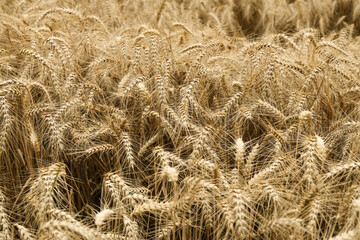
[179,119]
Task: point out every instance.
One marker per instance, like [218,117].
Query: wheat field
[179,119]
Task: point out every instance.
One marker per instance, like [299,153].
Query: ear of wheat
[178,119]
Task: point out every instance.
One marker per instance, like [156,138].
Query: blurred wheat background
[179,119]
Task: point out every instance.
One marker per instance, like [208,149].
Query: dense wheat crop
[179,119]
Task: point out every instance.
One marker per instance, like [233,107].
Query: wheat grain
[198,119]
[25,234]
